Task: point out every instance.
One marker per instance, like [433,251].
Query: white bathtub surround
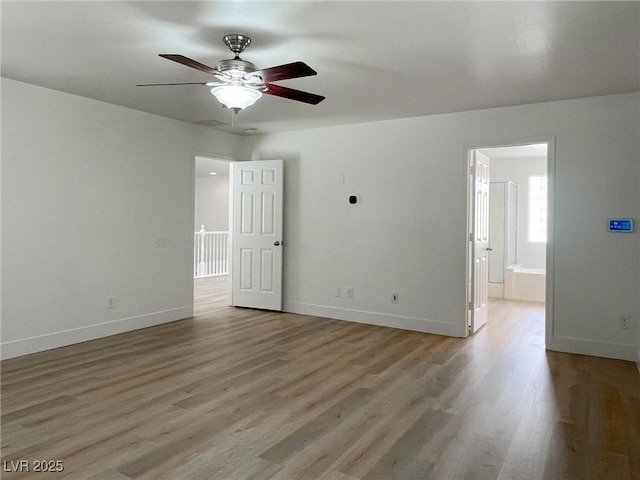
[523,283]
[496,290]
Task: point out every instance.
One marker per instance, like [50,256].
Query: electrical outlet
[625,321]
[350,292]
[395,297]
[162,242]
[336,292]
[111,302]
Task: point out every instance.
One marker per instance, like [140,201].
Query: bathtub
[521,283]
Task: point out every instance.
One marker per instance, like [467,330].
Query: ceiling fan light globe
[235,96]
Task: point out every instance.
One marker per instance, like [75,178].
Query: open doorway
[211,249]
[515,249]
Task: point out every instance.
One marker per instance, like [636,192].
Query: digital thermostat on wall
[621,225]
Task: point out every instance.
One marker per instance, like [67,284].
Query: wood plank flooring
[244,394]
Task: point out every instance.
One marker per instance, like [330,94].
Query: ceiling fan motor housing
[237,42]
[236,67]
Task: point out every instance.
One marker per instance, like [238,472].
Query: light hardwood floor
[244,394]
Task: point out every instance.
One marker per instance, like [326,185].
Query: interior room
[354,333]
[518,222]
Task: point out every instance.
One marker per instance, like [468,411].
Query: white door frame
[231,162]
[550,140]
[232,172]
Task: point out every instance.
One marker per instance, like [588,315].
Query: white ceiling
[534,150]
[206,167]
[375,60]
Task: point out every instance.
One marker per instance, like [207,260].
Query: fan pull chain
[234,117]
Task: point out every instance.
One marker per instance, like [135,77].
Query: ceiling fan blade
[283,72]
[292,94]
[189,62]
[166,84]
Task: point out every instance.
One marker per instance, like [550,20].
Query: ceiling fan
[239,84]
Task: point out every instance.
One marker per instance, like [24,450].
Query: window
[537,208]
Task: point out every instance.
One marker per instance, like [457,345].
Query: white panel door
[480,289]
[256,279]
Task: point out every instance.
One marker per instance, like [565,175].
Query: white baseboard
[26,346]
[594,348]
[381,319]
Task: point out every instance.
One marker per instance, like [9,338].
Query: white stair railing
[211,253]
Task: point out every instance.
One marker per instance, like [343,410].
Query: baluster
[208,237]
[212,254]
[226,252]
[219,261]
[202,266]
[216,254]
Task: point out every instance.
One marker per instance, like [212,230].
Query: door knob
[489,249]
[276,243]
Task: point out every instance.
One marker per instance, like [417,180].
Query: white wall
[407,233]
[212,203]
[87,190]
[518,170]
